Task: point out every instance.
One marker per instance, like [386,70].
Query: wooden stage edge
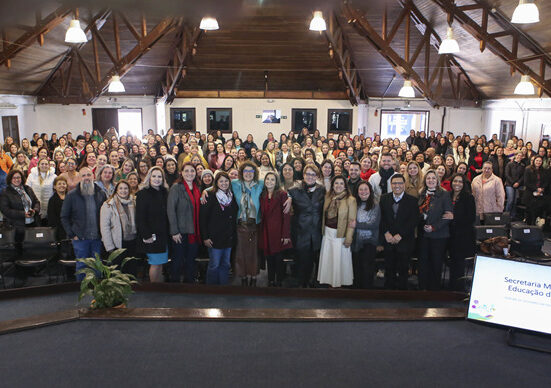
[234,315]
[178,288]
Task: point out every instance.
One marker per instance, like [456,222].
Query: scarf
[224,198]
[25,199]
[195,197]
[248,209]
[127,213]
[333,208]
[385,175]
[424,208]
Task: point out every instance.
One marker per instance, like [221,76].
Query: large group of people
[332,202]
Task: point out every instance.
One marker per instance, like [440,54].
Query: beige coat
[110,225]
[347,213]
[490,196]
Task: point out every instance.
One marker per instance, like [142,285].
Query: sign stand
[512,341]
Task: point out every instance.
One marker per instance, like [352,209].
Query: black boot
[244,282]
[253,282]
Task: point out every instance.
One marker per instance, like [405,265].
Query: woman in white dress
[339,221]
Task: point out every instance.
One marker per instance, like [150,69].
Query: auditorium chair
[39,249]
[527,242]
[497,219]
[8,252]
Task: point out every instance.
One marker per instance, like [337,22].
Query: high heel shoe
[253,282]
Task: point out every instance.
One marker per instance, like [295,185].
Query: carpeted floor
[231,354]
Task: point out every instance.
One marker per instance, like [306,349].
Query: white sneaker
[380,274]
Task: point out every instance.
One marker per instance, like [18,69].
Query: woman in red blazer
[275,231]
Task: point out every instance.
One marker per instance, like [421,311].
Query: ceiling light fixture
[449,45]
[525,86]
[74,33]
[526,12]
[318,23]
[407,90]
[116,86]
[209,24]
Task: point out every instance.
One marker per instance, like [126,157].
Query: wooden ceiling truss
[490,40]
[340,52]
[185,48]
[32,34]
[93,82]
[405,64]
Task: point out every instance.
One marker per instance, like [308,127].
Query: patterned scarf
[333,208]
[224,198]
[127,213]
[27,202]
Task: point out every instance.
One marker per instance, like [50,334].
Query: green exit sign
[284,117]
[258,116]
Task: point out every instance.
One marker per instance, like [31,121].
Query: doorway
[10,127]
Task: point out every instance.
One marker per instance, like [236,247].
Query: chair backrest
[39,236]
[7,237]
[484,232]
[527,233]
[497,219]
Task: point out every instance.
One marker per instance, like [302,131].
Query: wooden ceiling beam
[97,20]
[127,62]
[340,52]
[509,56]
[37,32]
[185,47]
[418,17]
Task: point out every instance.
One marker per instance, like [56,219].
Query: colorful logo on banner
[482,311]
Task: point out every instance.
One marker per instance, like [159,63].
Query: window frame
[194,119]
[311,110]
[329,111]
[230,129]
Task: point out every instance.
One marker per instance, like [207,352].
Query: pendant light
[318,23]
[407,90]
[526,12]
[525,86]
[74,33]
[208,24]
[449,45]
[116,86]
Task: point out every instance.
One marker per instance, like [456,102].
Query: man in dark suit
[399,217]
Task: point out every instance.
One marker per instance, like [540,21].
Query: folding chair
[8,252]
[39,248]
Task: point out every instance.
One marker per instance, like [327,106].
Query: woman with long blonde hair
[414,179]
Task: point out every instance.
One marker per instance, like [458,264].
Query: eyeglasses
[248,170]
[311,175]
[397,183]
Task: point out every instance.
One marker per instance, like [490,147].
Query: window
[219,119]
[130,122]
[304,118]
[182,119]
[399,123]
[339,120]
[507,130]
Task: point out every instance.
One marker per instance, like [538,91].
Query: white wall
[50,118]
[530,115]
[244,113]
[461,120]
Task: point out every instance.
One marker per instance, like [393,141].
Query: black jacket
[151,218]
[531,183]
[308,216]
[405,222]
[73,211]
[514,173]
[462,234]
[440,203]
[495,166]
[217,224]
[54,216]
[12,208]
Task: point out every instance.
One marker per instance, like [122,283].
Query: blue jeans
[183,258]
[512,195]
[218,271]
[83,250]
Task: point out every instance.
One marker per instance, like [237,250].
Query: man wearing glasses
[399,217]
